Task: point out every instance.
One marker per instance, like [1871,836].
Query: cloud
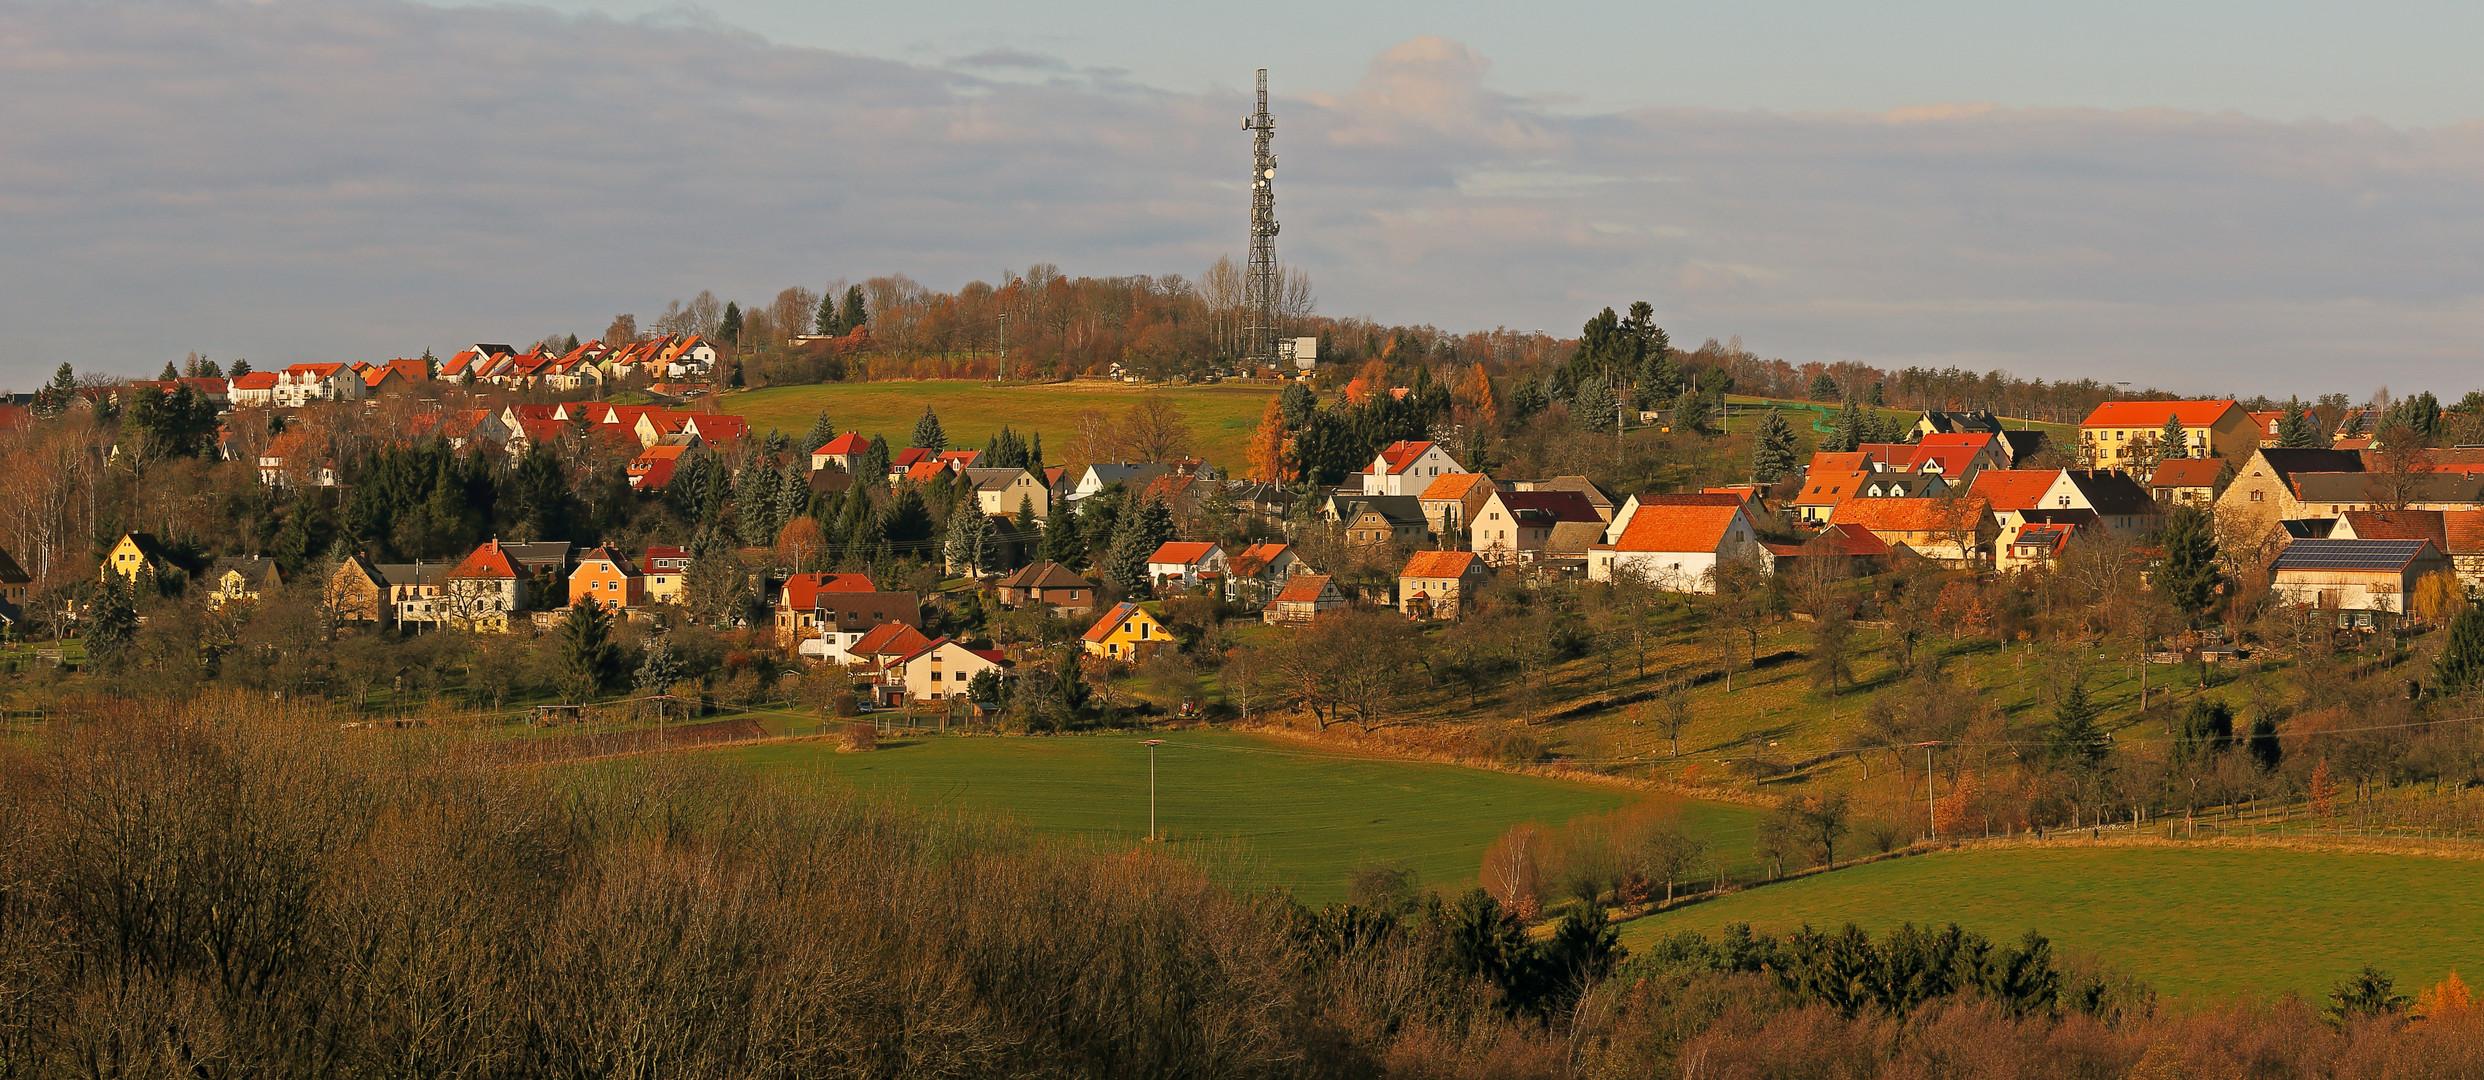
[1011,59]
[292,181]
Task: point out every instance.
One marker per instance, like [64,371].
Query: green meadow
[2190,920]
[1221,417]
[1299,818]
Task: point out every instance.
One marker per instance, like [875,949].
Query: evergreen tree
[1874,398]
[873,468]
[1156,523]
[2206,728]
[729,330]
[1524,402]
[1558,387]
[659,669]
[1846,432]
[1026,523]
[907,520]
[572,345]
[1297,403]
[2174,441]
[2353,428]
[242,367]
[2296,430]
[54,398]
[927,433]
[776,444]
[973,547]
[2266,751]
[825,323]
[1823,388]
[1772,456]
[2191,574]
[588,659]
[112,621]
[754,503]
[2075,737]
[1690,412]
[867,540]
[1593,406]
[170,372]
[2461,666]
[1035,452]
[853,316]
[793,495]
[1062,542]
[733,373]
[293,540]
[1125,560]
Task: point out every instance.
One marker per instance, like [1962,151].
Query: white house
[942,669]
[1676,547]
[303,383]
[1180,566]
[1132,476]
[1407,468]
[693,358]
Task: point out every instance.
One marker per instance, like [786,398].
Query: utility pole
[1004,347]
[1259,278]
[1152,744]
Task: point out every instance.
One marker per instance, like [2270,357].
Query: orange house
[608,580]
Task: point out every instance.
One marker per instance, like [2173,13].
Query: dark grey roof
[2309,528]
[2112,493]
[2344,487]
[253,568]
[1400,510]
[2021,444]
[427,573]
[2287,461]
[2352,554]
[1977,422]
[548,553]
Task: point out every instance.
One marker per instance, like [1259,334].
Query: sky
[2276,198]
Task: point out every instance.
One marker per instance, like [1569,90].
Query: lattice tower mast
[1259,283]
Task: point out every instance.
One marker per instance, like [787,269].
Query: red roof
[1112,620]
[256,380]
[924,472]
[907,457]
[2399,525]
[1677,528]
[889,639]
[1181,553]
[606,554]
[2152,414]
[1910,515]
[1439,564]
[803,590]
[2013,489]
[1852,540]
[2186,472]
[1302,589]
[2465,530]
[1399,456]
[1831,488]
[1556,505]
[488,562]
[659,552]
[845,445]
[1452,486]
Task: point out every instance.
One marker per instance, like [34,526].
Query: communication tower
[1259,281]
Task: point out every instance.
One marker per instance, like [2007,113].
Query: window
[2255,496]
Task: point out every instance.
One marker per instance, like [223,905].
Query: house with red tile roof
[483,591]
[1304,598]
[1440,584]
[1260,572]
[2186,481]
[906,459]
[1514,525]
[1677,547]
[2121,436]
[845,452]
[1451,502]
[653,468]
[1181,566]
[1630,506]
[1958,533]
[255,389]
[304,383]
[1856,545]
[2013,493]
[1407,468]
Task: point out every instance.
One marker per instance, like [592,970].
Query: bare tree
[1154,431]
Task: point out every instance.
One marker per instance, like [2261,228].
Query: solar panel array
[2348,554]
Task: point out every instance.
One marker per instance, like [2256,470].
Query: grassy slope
[1305,818]
[1221,417]
[2190,920]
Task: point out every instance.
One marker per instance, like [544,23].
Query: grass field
[1303,819]
[1221,416]
[2192,921]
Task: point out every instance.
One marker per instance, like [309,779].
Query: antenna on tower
[1259,280]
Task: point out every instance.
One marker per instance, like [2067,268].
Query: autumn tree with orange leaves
[1270,461]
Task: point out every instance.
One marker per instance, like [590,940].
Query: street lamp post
[1152,744]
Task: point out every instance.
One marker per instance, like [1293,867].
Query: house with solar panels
[2358,579]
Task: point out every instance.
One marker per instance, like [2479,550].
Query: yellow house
[1127,632]
[134,555]
[664,568]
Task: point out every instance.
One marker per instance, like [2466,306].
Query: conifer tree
[170,373]
[1846,432]
[1297,403]
[588,658]
[2074,737]
[821,432]
[729,329]
[242,367]
[1026,522]
[873,469]
[2295,429]
[1593,406]
[1125,560]
[2174,441]
[112,621]
[2461,666]
[1772,455]
[1690,412]
[927,433]
[2191,574]
[659,669]
[973,547]
[907,520]
[825,323]
[853,316]
[793,495]
[1823,388]
[1062,542]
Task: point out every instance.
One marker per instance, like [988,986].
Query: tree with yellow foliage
[1269,463]
[2447,1000]
[1474,398]
[2438,597]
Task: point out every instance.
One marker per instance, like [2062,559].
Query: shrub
[846,705]
[862,735]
